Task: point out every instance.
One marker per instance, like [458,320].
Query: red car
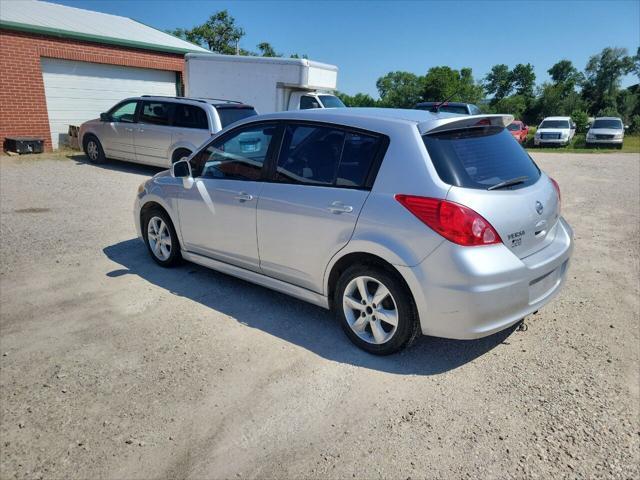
[519,131]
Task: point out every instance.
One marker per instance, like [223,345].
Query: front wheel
[93,149]
[375,309]
[160,238]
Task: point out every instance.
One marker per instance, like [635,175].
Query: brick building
[61,66]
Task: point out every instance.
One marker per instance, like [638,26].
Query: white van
[268,84]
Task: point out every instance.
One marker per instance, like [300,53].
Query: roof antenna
[446,100]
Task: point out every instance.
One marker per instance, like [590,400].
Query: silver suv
[401,221]
[157,130]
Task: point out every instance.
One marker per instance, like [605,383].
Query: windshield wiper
[508,183]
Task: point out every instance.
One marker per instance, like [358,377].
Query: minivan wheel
[160,238]
[93,149]
[375,309]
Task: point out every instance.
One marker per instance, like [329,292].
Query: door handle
[140,130]
[339,207]
[128,129]
[243,197]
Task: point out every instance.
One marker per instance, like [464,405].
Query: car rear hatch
[493,175]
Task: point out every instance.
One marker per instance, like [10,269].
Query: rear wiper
[508,183]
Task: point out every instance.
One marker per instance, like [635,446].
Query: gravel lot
[112,367]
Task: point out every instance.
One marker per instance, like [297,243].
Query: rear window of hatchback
[480,158]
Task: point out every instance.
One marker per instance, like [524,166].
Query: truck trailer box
[269,84]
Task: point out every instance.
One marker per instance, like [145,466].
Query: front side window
[325,156]
[480,158]
[155,113]
[240,156]
[125,112]
[190,116]
[331,101]
[514,127]
[307,102]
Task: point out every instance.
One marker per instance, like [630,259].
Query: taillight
[557,187]
[455,222]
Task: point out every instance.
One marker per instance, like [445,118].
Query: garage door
[80,91]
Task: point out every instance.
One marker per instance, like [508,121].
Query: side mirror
[181,169]
[104,117]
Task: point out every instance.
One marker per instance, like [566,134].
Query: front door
[117,135]
[153,133]
[218,212]
[308,212]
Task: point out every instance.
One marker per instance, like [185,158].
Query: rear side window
[231,115]
[326,156]
[190,116]
[155,113]
[459,109]
[480,157]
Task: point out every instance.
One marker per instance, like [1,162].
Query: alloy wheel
[159,238]
[370,310]
[92,150]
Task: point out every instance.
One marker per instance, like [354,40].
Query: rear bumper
[472,292]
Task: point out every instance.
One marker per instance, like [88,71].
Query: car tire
[362,319]
[160,238]
[93,149]
[179,153]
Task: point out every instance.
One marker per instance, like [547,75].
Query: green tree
[523,79]
[219,33]
[498,82]
[515,105]
[566,76]
[443,82]
[603,73]
[266,50]
[357,100]
[581,119]
[400,89]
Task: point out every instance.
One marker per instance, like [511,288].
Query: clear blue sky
[367,39]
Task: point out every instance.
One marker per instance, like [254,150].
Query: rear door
[153,133]
[493,175]
[308,210]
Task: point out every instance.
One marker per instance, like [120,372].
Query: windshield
[231,115]
[331,101]
[514,127]
[555,124]
[480,158]
[614,124]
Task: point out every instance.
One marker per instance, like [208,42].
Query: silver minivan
[400,221]
[157,130]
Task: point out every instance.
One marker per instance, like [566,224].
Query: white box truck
[268,84]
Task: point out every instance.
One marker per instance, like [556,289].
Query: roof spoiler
[468,121]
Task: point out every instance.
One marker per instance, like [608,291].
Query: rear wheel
[160,238]
[375,309]
[93,149]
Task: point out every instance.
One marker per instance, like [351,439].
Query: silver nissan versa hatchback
[400,221]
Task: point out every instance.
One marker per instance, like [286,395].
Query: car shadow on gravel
[290,319]
[116,165]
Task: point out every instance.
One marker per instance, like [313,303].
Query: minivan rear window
[231,115]
[480,157]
